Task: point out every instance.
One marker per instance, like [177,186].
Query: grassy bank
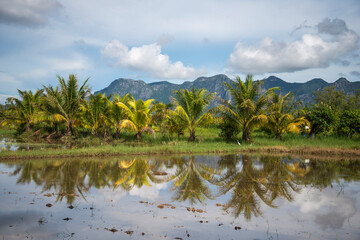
[208,142]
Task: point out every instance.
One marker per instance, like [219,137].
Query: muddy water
[180,197]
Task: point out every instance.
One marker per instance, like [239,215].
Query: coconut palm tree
[248,105]
[139,116]
[280,118]
[161,116]
[118,114]
[23,112]
[96,113]
[67,100]
[192,109]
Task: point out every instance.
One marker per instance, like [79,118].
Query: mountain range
[161,91]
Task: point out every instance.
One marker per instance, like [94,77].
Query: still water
[180,197]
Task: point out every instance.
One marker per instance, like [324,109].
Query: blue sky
[176,41]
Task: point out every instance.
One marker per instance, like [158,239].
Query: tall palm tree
[67,100]
[280,118]
[138,113]
[192,108]
[248,105]
[23,111]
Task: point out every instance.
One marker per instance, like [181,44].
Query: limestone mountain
[161,91]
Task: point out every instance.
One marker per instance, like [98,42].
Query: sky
[175,40]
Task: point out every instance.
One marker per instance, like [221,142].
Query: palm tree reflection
[190,181]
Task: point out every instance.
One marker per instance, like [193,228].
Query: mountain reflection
[248,181]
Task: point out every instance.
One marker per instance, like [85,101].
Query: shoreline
[315,152]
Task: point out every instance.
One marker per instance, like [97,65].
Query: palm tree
[118,114]
[138,113]
[24,112]
[67,100]
[191,109]
[280,118]
[161,116]
[97,113]
[247,108]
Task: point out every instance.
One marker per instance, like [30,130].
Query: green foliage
[229,129]
[191,109]
[349,123]
[138,116]
[281,118]
[322,119]
[23,113]
[331,97]
[248,105]
[64,103]
[96,114]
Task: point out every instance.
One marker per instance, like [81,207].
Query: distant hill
[161,91]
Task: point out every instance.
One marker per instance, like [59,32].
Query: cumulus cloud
[149,59]
[30,13]
[311,51]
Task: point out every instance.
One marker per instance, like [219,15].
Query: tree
[192,109]
[161,116]
[281,118]
[322,118]
[331,97]
[23,112]
[67,100]
[248,106]
[118,114]
[349,123]
[138,113]
[96,113]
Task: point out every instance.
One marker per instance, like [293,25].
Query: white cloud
[149,59]
[29,13]
[311,51]
[148,192]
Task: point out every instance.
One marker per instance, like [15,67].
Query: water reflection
[250,181]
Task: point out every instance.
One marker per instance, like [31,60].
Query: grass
[207,142]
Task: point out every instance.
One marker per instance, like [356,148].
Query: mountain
[161,91]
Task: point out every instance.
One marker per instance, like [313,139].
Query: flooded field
[180,197]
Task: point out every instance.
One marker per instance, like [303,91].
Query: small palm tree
[118,114]
[24,111]
[161,116]
[96,113]
[67,100]
[192,109]
[280,118]
[248,106]
[139,117]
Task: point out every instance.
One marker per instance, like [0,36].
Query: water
[180,197]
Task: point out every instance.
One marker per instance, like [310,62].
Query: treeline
[71,109]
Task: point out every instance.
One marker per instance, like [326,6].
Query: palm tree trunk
[69,128]
[138,135]
[192,135]
[246,135]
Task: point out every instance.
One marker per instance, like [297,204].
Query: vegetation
[190,110]
[248,107]
[70,114]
